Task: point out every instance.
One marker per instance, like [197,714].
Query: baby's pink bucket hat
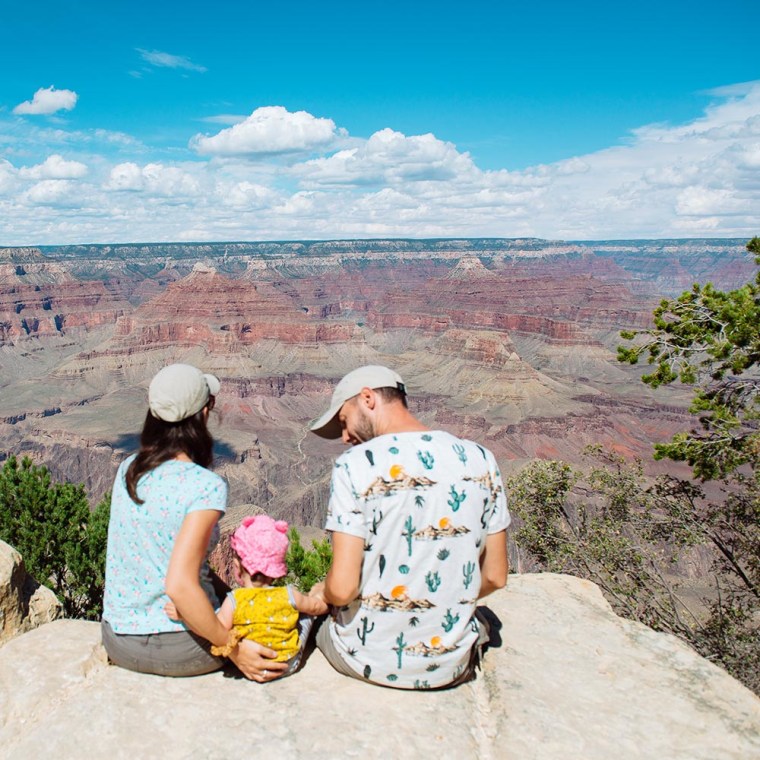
[261,544]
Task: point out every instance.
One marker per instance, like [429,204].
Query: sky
[168,121]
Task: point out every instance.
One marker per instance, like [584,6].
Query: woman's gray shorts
[180,653]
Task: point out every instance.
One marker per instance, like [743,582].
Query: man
[419,522]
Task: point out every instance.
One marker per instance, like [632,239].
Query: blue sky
[249,120]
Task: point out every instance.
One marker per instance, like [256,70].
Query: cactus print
[416,504]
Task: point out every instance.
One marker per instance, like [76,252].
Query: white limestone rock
[24,603]
[570,680]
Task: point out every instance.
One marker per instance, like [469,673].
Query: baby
[258,610]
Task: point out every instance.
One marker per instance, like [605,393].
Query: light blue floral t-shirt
[141,539]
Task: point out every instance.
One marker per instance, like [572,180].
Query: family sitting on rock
[418,520]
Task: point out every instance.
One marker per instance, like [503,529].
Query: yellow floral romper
[267,615]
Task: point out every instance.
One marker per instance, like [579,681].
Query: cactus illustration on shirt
[399,648]
[433,580]
[449,621]
[456,498]
[366,628]
[427,459]
[459,450]
[467,571]
[377,518]
[409,533]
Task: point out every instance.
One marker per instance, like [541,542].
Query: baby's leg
[305,624]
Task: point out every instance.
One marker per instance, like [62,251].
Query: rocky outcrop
[564,678]
[53,309]
[222,315]
[24,603]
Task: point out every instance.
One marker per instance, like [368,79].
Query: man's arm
[344,575]
[494,564]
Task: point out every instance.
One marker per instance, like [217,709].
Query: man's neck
[399,422]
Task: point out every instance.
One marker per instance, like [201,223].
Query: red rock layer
[28,310]
[223,315]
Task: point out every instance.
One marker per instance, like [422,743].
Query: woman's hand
[256,662]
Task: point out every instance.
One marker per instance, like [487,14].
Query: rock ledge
[570,679]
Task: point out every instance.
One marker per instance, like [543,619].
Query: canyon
[508,342]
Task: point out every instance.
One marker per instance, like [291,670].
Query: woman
[165,507]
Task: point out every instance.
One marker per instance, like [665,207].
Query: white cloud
[155,179]
[692,179]
[126,176]
[247,195]
[269,130]
[48,100]
[389,157]
[50,192]
[169,61]
[54,167]
[8,175]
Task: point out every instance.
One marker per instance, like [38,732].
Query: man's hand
[256,662]
[318,590]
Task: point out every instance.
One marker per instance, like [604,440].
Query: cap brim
[214,386]
[328,426]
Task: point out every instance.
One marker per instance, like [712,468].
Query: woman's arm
[183,576]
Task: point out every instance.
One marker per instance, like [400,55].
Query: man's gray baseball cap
[372,376]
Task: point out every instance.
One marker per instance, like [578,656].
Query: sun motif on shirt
[444,523]
[396,471]
[398,591]
[435,641]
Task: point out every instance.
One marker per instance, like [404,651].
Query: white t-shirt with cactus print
[424,504]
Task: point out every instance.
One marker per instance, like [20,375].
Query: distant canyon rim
[508,342]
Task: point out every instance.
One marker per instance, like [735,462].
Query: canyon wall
[509,342]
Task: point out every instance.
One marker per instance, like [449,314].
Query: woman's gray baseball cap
[372,376]
[179,391]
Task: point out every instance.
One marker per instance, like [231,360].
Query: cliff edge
[568,678]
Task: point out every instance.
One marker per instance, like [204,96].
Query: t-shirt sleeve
[500,517]
[343,512]
[209,493]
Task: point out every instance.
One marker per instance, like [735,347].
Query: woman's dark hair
[161,441]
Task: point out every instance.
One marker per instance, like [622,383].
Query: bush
[633,537]
[307,566]
[63,544]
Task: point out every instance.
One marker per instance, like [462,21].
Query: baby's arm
[225,612]
[309,605]
[171,611]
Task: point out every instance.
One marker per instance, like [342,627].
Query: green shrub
[307,566]
[62,542]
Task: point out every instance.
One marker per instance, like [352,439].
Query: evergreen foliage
[62,542]
[709,339]
[306,566]
[610,524]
